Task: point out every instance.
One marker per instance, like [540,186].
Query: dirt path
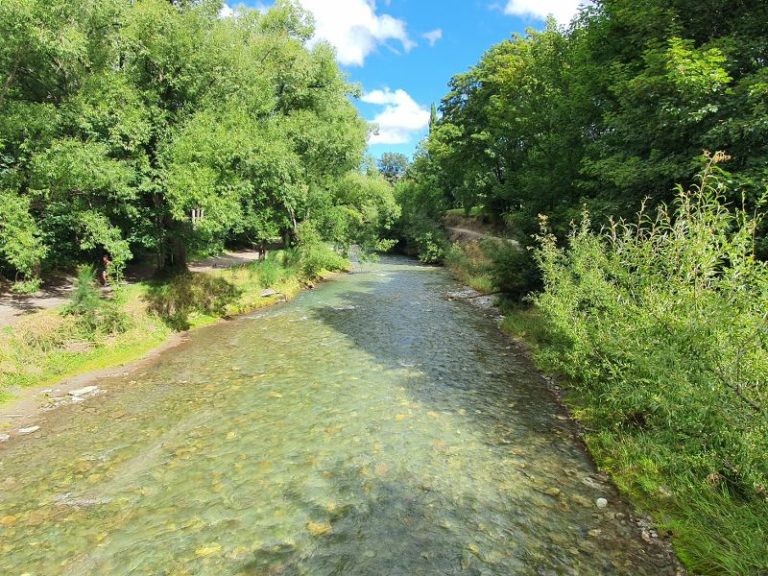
[13,308]
[456,233]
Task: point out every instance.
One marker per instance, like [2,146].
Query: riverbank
[45,357]
[714,529]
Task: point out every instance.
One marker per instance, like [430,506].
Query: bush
[312,256]
[26,287]
[470,265]
[186,294]
[661,324]
[269,271]
[514,270]
[95,315]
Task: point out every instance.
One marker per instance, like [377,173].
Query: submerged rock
[601,503]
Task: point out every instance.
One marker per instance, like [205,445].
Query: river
[370,427]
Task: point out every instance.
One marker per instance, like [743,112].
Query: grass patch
[470,264]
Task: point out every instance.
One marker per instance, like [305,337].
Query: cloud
[355,29]
[563,10]
[433,36]
[226,11]
[401,119]
[229,11]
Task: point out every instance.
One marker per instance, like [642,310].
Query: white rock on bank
[5,437]
[87,391]
[28,430]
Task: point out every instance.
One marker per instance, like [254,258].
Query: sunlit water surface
[371,427]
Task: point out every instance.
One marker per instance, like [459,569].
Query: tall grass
[661,326]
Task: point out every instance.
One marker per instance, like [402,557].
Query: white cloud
[355,29]
[563,10]
[232,11]
[226,11]
[401,118]
[433,36]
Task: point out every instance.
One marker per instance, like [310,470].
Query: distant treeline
[615,108]
[160,128]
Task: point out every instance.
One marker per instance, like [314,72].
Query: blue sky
[404,52]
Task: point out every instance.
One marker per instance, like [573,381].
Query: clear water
[370,427]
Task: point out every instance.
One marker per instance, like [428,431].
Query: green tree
[393,165]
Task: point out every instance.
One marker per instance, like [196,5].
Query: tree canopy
[617,107]
[160,127]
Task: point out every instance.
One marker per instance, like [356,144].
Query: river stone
[269,292]
[88,390]
[5,437]
[601,503]
[552,491]
[29,430]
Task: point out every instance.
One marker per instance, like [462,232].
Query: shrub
[186,294]
[430,246]
[269,271]
[26,287]
[470,264]
[514,270]
[662,325]
[95,315]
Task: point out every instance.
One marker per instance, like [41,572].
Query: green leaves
[21,243]
[159,125]
[664,320]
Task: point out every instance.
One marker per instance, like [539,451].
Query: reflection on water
[370,427]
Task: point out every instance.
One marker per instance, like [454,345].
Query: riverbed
[372,426]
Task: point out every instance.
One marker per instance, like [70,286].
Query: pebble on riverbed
[601,503]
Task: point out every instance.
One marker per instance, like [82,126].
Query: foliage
[312,256]
[393,166]
[155,126]
[186,294]
[26,287]
[21,245]
[514,270]
[95,315]
[470,264]
[613,109]
[662,326]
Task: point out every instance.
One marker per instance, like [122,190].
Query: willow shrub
[662,324]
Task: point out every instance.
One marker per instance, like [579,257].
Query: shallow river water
[370,427]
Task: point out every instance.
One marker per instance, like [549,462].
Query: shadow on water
[457,355]
[385,527]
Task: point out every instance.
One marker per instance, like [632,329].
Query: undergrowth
[658,328]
